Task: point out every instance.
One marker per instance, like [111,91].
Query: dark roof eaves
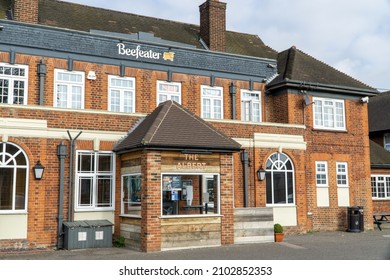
[380,166]
[322,87]
[177,148]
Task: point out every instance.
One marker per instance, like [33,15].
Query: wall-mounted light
[38,170]
[261,174]
[91,75]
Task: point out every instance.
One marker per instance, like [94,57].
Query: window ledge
[330,130]
[190,216]
[95,210]
[130,216]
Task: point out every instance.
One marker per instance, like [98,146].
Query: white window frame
[94,175]
[386,141]
[69,85]
[212,99]
[342,173]
[135,205]
[278,163]
[322,173]
[169,93]
[251,102]
[15,78]
[380,179]
[320,123]
[9,161]
[122,91]
[205,175]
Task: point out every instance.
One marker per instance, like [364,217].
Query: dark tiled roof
[170,126]
[379,156]
[85,18]
[379,112]
[295,65]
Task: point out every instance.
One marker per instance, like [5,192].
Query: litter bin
[355,219]
[77,235]
[101,233]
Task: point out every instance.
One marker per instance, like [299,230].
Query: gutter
[301,85]
[378,166]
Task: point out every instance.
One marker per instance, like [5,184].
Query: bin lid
[76,224]
[99,223]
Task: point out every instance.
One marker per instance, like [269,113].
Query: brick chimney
[213,24]
[25,10]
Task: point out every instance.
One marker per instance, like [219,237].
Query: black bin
[355,219]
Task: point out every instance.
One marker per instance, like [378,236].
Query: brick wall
[227,198]
[151,201]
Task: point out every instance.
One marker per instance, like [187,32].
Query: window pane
[104,191]
[279,187]
[128,102]
[290,188]
[86,163]
[6,188]
[3,91]
[268,179]
[62,96]
[104,163]
[20,199]
[373,187]
[115,101]
[85,191]
[206,108]
[18,92]
[318,113]
[217,109]
[76,97]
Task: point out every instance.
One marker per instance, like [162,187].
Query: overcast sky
[350,35]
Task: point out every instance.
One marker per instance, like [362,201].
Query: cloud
[351,35]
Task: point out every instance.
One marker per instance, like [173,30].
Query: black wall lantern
[261,174]
[38,170]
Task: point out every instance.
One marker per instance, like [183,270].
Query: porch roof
[172,127]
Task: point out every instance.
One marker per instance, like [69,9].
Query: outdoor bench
[381,218]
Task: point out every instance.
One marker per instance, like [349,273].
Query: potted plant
[278,231]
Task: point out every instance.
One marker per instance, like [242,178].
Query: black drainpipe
[245,164]
[41,69]
[71,175]
[232,91]
[61,153]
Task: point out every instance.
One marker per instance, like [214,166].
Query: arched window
[13,178]
[280,180]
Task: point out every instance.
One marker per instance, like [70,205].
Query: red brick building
[87,81]
[380,156]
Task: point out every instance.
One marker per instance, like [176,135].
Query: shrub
[119,242]
[278,228]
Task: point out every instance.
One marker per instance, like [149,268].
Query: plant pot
[279,237]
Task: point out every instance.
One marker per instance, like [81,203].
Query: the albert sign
[139,53]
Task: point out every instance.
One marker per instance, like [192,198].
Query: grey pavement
[368,245]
